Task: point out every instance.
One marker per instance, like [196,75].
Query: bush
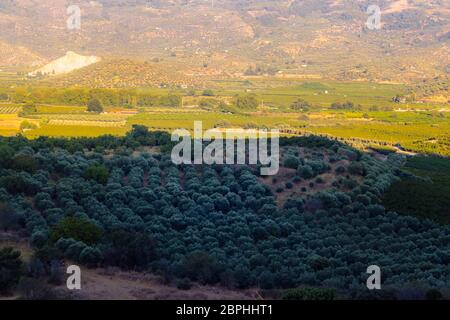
[98,173]
[291,162]
[246,102]
[10,269]
[340,170]
[300,105]
[8,217]
[200,266]
[130,250]
[26,125]
[208,93]
[6,154]
[306,172]
[357,168]
[78,229]
[39,238]
[94,105]
[24,162]
[279,190]
[309,294]
[184,284]
[90,256]
[28,109]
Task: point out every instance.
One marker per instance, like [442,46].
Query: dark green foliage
[184,284]
[98,173]
[6,154]
[306,172]
[130,250]
[10,269]
[78,229]
[344,106]
[8,218]
[90,256]
[28,109]
[291,162]
[300,105]
[94,105]
[218,223]
[208,93]
[309,294]
[201,267]
[246,102]
[424,197]
[357,168]
[24,162]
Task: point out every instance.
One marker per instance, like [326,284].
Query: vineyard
[361,114]
[6,109]
[87,123]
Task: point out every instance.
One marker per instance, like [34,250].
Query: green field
[375,119]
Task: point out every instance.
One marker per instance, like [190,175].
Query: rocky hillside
[11,55]
[288,37]
[66,64]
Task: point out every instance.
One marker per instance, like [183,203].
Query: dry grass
[98,284]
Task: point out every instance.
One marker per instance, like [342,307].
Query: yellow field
[10,124]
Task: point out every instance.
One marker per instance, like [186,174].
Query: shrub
[39,238]
[340,170]
[246,102]
[10,269]
[8,217]
[94,105]
[306,172]
[26,125]
[98,173]
[90,256]
[78,229]
[130,250]
[208,93]
[291,162]
[6,154]
[200,266]
[357,168]
[184,284]
[24,162]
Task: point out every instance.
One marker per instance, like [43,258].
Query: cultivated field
[372,119]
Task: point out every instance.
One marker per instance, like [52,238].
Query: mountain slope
[11,55]
[326,38]
[66,64]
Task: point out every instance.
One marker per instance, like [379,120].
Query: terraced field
[9,109]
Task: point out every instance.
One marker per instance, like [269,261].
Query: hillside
[125,73]
[11,55]
[301,38]
[66,64]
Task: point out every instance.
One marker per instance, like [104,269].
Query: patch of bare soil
[99,284]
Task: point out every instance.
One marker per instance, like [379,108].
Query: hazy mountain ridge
[301,37]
